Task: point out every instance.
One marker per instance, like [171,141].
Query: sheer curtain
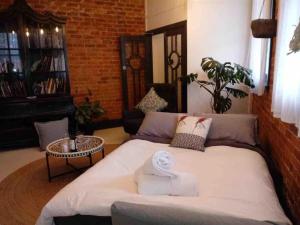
[286,87]
[258,52]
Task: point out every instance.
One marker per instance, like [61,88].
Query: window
[286,87]
[260,48]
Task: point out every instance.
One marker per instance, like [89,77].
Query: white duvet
[232,181]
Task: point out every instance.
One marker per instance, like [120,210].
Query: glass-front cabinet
[12,74]
[34,81]
[32,53]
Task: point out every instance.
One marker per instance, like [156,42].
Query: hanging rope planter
[263,28]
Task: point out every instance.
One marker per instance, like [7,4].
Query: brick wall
[281,142]
[92,32]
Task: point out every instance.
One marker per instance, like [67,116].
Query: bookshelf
[34,77]
[32,58]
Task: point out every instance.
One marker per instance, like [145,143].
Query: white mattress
[232,181]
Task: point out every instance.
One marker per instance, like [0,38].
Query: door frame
[182,26]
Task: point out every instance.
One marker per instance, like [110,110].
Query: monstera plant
[221,85]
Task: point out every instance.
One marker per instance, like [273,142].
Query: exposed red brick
[92,31]
[281,142]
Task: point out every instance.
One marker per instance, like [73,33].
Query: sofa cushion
[159,124]
[51,131]
[240,128]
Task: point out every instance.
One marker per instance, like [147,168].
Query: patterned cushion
[152,102]
[191,132]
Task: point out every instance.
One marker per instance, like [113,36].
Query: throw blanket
[155,177]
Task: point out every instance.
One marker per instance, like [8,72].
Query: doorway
[169,59]
[157,58]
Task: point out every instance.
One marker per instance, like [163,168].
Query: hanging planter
[264,28]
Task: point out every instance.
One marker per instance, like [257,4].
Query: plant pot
[264,28]
[87,129]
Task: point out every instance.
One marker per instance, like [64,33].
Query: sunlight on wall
[164,12]
[218,29]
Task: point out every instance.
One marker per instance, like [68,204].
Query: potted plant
[86,113]
[264,28]
[222,78]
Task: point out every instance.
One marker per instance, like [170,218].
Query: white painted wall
[160,13]
[218,29]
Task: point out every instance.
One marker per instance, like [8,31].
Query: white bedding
[232,181]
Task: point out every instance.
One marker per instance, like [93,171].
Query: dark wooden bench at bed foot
[83,220]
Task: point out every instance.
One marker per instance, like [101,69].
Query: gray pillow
[51,131]
[140,214]
[159,124]
[241,128]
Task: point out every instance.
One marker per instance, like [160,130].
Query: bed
[232,181]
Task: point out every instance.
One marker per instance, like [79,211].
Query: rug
[24,193]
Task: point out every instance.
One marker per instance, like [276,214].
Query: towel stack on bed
[156,177]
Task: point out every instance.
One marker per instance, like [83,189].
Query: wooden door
[175,59]
[176,62]
[136,68]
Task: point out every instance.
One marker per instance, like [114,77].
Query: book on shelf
[49,64]
[4,66]
[14,88]
[52,85]
[7,66]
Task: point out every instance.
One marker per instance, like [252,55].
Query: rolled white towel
[160,164]
[182,185]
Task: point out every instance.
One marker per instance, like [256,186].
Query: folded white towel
[160,164]
[182,185]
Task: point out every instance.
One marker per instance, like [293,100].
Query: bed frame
[83,220]
[107,220]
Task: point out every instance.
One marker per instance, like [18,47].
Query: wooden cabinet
[34,78]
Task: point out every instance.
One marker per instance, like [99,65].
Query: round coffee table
[86,146]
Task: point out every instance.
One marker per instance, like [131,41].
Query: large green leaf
[189,78]
[221,104]
[236,92]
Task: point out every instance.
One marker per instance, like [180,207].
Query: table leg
[48,167]
[103,155]
[91,161]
